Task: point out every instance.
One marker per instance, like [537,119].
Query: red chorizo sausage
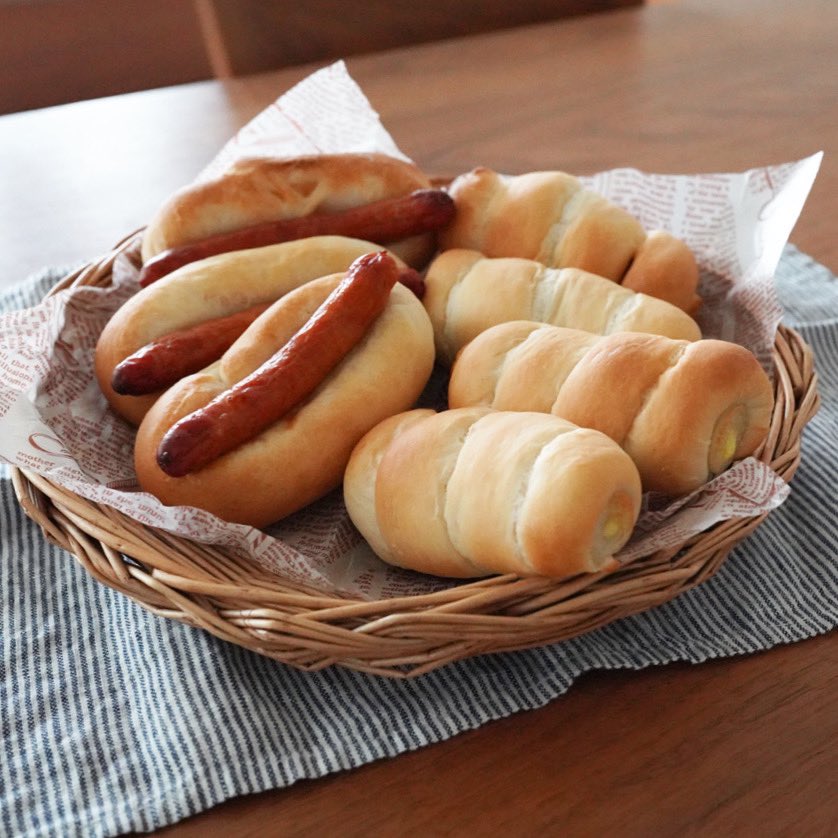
[257,401]
[389,220]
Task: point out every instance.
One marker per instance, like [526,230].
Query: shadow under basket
[240,602]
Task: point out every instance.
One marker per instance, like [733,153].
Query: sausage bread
[266,463]
[259,190]
[209,290]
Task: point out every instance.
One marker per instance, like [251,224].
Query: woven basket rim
[240,602]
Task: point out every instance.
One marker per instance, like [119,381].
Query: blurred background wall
[57,51]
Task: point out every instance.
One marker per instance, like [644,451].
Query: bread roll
[472,492]
[551,218]
[208,289]
[301,457]
[263,189]
[683,411]
[467,293]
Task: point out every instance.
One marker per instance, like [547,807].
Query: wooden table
[733,747]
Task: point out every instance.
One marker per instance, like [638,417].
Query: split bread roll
[472,492]
[551,218]
[467,293]
[683,411]
[261,189]
[303,455]
[212,288]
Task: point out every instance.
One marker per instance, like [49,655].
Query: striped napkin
[113,720]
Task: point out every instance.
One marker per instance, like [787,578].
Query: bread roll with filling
[466,293]
[208,289]
[683,411]
[303,456]
[259,189]
[471,492]
[551,218]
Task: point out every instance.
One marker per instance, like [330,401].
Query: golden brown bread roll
[467,293]
[551,218]
[263,189]
[471,492]
[682,410]
[303,455]
[212,288]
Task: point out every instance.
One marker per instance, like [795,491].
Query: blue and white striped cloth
[113,720]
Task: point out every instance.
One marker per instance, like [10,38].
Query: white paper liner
[54,421]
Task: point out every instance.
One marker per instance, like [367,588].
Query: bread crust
[211,288]
[411,498]
[467,293]
[259,189]
[682,410]
[549,217]
[361,474]
[672,435]
[658,268]
[472,491]
[501,215]
[303,456]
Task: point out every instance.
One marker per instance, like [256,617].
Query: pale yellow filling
[616,523]
[613,527]
[729,430]
[728,447]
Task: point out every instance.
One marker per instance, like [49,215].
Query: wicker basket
[239,602]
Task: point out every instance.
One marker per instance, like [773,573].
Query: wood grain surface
[738,747]
[696,86]
[259,35]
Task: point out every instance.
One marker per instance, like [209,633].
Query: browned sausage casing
[288,377]
[161,363]
[164,361]
[422,211]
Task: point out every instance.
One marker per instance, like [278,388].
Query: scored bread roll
[683,411]
[260,189]
[208,289]
[472,492]
[551,218]
[466,293]
[303,455]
